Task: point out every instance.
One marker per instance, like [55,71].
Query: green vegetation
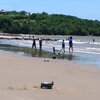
[44,24]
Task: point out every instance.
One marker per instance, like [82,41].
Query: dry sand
[20,79]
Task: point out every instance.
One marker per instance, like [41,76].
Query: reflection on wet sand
[34,52]
[70,56]
[37,53]
[40,53]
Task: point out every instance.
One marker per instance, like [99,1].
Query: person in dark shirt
[34,43]
[70,39]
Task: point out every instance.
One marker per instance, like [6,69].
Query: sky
[85,9]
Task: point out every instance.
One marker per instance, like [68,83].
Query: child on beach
[63,46]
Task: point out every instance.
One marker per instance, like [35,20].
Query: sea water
[85,49]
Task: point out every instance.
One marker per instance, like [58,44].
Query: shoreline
[21,77]
[74,57]
[85,54]
[79,57]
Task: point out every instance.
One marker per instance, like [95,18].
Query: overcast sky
[86,9]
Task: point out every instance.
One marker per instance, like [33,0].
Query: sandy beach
[21,76]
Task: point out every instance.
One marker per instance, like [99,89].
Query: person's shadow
[70,56]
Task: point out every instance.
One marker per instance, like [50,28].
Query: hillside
[46,24]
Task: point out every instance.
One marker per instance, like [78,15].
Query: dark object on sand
[47,85]
[46,60]
[54,56]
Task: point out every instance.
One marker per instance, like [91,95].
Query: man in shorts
[70,39]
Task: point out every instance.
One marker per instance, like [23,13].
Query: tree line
[23,22]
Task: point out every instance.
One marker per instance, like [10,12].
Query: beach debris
[58,53]
[54,56]
[46,60]
[47,85]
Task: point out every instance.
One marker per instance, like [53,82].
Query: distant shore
[21,77]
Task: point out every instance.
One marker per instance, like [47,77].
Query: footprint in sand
[17,88]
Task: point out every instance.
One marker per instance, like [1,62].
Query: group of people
[70,39]
[34,43]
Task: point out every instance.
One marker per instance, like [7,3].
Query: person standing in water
[34,43]
[40,43]
[63,46]
[70,39]
[93,40]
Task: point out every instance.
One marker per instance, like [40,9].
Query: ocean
[86,48]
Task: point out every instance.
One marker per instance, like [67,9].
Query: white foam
[78,42]
[96,43]
[95,49]
[75,42]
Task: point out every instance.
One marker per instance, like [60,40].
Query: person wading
[34,43]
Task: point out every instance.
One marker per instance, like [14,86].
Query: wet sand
[21,76]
